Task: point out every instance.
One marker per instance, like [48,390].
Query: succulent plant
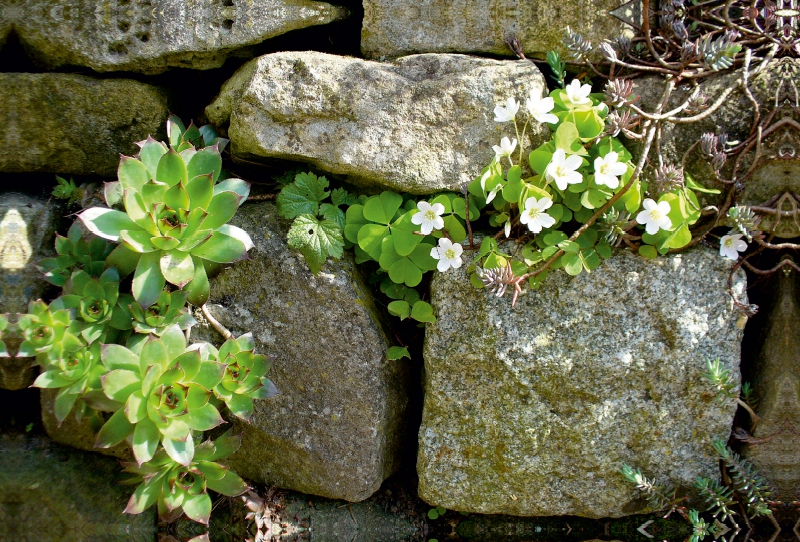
[165,389]
[3,329]
[76,373]
[180,488]
[244,378]
[74,252]
[169,309]
[95,304]
[53,333]
[175,219]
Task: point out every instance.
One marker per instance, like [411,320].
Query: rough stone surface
[151,36]
[50,493]
[337,426]
[397,27]
[27,233]
[421,124]
[65,123]
[532,410]
[74,433]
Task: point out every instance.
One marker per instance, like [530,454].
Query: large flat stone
[397,27]
[151,36]
[532,410]
[64,123]
[421,124]
[338,424]
[50,493]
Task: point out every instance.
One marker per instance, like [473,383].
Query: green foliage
[3,330]
[316,231]
[718,497]
[656,496]
[557,67]
[436,513]
[121,359]
[700,529]
[748,485]
[722,380]
[74,252]
[175,219]
[66,190]
[397,352]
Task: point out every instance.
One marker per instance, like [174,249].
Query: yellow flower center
[450,254]
[430,215]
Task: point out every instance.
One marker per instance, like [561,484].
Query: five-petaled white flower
[578,94]
[731,245]
[429,217]
[534,215]
[448,254]
[506,148]
[539,108]
[654,217]
[607,169]
[507,113]
[562,170]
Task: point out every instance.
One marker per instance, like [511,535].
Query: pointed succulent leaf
[143,497]
[51,379]
[234,185]
[171,169]
[123,259]
[230,484]
[177,267]
[148,280]
[106,223]
[197,291]
[146,437]
[205,161]
[151,154]
[115,357]
[241,406]
[201,190]
[120,384]
[203,418]
[181,451]
[137,240]
[197,507]
[132,174]
[154,352]
[63,404]
[174,341]
[136,407]
[115,430]
[221,248]
[221,209]
[165,242]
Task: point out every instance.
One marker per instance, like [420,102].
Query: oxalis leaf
[316,240]
[303,196]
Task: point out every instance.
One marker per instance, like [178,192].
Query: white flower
[607,169]
[484,178]
[491,195]
[507,228]
[430,217]
[578,94]
[506,148]
[534,215]
[507,113]
[654,217]
[539,108]
[562,170]
[448,254]
[731,245]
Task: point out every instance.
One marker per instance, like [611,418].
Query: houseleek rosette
[244,378]
[95,304]
[180,488]
[175,219]
[168,309]
[3,330]
[74,252]
[75,374]
[165,389]
[52,333]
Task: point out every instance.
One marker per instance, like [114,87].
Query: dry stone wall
[528,411]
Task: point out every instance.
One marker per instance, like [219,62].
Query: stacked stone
[528,411]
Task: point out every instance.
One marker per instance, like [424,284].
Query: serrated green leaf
[303,196]
[316,240]
[340,196]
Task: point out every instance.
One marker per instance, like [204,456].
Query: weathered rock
[151,36]
[27,233]
[421,124]
[336,428]
[396,27]
[777,386]
[65,123]
[533,410]
[52,493]
[77,434]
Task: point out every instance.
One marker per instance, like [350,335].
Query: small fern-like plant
[752,488]
[655,494]
[718,498]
